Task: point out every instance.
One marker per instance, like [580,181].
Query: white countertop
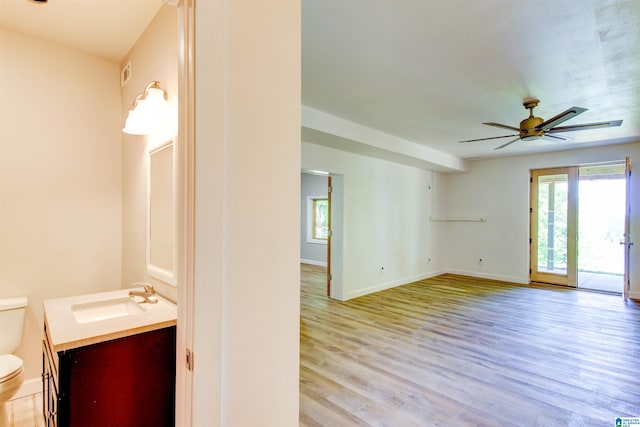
[65,333]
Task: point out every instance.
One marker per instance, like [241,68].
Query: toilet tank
[11,321]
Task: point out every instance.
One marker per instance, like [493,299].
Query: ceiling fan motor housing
[528,131]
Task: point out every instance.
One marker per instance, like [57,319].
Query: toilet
[11,369]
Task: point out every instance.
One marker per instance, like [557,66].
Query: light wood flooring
[461,351]
[25,411]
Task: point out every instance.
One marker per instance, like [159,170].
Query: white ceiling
[105,28]
[431,71]
[425,71]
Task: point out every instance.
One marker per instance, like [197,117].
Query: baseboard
[389,285]
[634,295]
[29,387]
[313,262]
[500,277]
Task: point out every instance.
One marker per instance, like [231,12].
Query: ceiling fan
[533,128]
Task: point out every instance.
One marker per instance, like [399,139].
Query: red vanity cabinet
[124,382]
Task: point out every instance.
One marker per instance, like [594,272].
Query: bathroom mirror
[161,211]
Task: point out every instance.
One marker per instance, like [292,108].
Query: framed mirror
[161,213]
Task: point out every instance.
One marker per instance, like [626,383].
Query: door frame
[570,278]
[185,198]
[627,230]
[329,190]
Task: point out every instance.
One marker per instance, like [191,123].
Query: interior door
[627,229]
[553,225]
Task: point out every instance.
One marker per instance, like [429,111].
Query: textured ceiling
[105,28]
[431,71]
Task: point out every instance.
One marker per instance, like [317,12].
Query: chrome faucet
[149,293]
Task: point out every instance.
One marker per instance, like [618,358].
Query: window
[317,219]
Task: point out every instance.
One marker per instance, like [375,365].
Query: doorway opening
[324,220]
[578,226]
[315,247]
[601,216]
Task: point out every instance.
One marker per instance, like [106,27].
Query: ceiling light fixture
[149,112]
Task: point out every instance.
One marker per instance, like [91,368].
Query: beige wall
[60,178]
[153,57]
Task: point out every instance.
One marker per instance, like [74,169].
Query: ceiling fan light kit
[533,128]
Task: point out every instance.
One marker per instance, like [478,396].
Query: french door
[553,241]
[627,229]
[554,224]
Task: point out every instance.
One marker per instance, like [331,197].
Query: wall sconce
[149,112]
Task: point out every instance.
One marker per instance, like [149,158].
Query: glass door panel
[601,227]
[552,223]
[553,226]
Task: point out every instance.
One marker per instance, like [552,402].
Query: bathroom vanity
[109,360]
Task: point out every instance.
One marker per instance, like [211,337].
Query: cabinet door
[49,388]
[125,382]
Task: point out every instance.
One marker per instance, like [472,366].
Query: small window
[317,220]
[321,219]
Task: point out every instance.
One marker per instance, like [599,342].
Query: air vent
[125,74]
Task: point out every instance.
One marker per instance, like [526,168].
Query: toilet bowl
[11,367]
[11,379]
[11,376]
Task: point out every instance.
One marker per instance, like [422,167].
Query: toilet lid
[10,366]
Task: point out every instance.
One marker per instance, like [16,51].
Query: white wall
[60,178]
[153,57]
[311,186]
[247,274]
[499,190]
[386,209]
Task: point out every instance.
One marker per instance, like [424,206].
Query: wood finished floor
[462,351]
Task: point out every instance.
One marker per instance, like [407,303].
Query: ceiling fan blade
[586,126]
[510,142]
[498,125]
[484,139]
[562,117]
[561,138]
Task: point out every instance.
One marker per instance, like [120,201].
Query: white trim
[337,236]
[389,285]
[312,241]
[185,208]
[499,277]
[458,218]
[406,281]
[313,262]
[29,387]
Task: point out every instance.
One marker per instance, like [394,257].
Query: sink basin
[105,309]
